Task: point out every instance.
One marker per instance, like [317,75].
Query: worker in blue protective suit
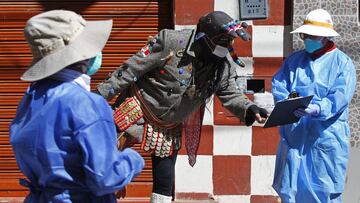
[313,153]
[63,136]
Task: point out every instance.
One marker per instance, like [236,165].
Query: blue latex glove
[311,110]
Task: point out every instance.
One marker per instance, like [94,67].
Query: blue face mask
[312,45]
[94,64]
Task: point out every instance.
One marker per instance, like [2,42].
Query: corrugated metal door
[134,21]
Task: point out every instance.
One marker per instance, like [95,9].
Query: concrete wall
[346,20]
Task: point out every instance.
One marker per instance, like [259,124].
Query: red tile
[264,141]
[231,175]
[267,66]
[263,199]
[188,12]
[244,48]
[206,141]
[134,200]
[276,14]
[222,116]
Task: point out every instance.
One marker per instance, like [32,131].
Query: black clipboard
[283,111]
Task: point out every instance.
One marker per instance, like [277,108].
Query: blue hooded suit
[313,153]
[64,140]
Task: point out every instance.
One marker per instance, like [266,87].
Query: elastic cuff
[318,111]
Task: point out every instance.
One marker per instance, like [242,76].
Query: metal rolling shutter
[133,20]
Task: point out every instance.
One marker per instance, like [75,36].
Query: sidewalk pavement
[126,200]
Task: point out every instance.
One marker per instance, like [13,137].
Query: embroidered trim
[127,113]
[145,51]
[233,25]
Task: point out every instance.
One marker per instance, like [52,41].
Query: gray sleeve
[230,96]
[148,58]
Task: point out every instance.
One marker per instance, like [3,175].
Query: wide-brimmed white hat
[59,38]
[318,23]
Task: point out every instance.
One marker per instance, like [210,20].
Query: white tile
[232,140]
[197,179]
[209,112]
[231,7]
[232,198]
[248,69]
[183,27]
[264,100]
[262,174]
[268,41]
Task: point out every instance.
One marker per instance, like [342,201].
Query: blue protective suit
[64,140]
[313,153]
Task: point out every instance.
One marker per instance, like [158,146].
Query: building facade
[235,163]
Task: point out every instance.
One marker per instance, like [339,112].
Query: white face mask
[220,51]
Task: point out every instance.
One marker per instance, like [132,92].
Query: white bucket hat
[59,38]
[318,23]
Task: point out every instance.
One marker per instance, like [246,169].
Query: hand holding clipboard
[282,113]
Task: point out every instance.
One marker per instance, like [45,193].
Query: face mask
[220,51]
[94,64]
[312,45]
[217,50]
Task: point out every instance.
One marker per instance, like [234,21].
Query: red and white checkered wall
[235,163]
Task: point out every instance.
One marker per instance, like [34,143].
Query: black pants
[163,170]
